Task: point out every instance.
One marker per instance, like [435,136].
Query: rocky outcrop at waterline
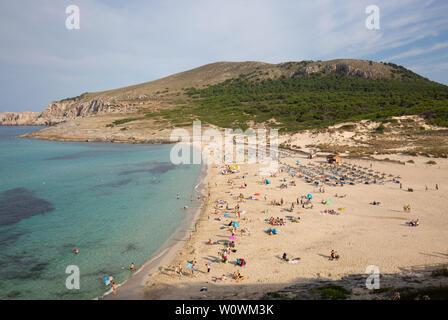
[26,118]
[60,111]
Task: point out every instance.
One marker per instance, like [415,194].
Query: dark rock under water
[158,169]
[20,203]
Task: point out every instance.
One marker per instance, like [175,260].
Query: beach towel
[189,266]
[293,261]
[241,262]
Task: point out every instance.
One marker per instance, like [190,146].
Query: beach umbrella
[235,224]
[232,238]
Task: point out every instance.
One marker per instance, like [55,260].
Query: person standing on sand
[437,186]
[114,288]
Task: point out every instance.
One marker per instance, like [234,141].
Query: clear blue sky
[120,43]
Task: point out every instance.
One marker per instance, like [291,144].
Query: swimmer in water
[76,251]
[132,267]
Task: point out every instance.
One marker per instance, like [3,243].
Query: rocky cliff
[338,68]
[60,111]
[26,118]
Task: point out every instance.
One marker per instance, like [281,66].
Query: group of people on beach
[276,222]
[305,201]
[277,203]
[112,283]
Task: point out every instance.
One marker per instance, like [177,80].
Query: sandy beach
[363,234]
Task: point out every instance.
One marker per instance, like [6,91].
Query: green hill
[301,95]
[290,96]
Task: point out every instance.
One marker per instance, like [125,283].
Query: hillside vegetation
[290,96]
[304,100]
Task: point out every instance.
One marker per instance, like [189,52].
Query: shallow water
[116,203]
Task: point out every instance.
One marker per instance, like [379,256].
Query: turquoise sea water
[115,203]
